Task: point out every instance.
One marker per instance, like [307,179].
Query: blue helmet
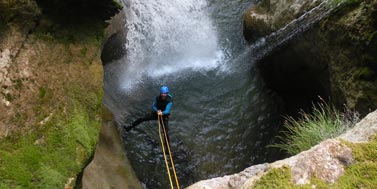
[164,90]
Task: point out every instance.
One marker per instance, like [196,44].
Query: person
[161,107]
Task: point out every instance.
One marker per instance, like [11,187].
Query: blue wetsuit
[158,104]
[163,105]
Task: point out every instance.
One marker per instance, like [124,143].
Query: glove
[159,113]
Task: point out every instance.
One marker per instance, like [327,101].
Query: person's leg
[147,117]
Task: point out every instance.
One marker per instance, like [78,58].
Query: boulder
[113,48]
[115,35]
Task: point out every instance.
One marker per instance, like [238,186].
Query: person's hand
[159,112]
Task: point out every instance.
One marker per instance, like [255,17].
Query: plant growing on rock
[323,123]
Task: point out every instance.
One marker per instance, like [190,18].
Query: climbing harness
[161,122]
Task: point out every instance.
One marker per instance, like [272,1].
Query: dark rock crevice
[76,12]
[298,79]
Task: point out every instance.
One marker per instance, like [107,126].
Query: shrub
[323,123]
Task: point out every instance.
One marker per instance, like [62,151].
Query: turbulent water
[223,116]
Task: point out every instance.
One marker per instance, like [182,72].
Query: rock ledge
[326,160]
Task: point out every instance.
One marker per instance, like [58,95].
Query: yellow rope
[163,151]
[170,154]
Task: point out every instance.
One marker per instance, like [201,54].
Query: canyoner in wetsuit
[161,106]
[161,111]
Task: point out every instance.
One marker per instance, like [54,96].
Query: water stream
[223,114]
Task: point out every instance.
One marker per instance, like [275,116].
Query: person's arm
[154,106]
[167,109]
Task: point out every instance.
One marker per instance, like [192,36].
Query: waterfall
[167,37]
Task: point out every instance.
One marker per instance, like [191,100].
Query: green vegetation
[19,11]
[275,178]
[323,123]
[64,128]
[50,155]
[47,157]
[54,129]
[361,174]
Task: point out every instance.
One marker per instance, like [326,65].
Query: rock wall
[110,167]
[336,59]
[50,89]
[326,161]
[342,64]
[271,15]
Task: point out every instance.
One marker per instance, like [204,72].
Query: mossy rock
[255,27]
[360,174]
[341,49]
[268,16]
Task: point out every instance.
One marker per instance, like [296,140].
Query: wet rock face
[115,34]
[110,167]
[271,15]
[114,48]
[336,59]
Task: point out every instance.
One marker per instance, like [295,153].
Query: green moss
[18,11]
[281,178]
[18,84]
[51,153]
[359,175]
[363,73]
[363,173]
[83,51]
[49,162]
[275,178]
[42,92]
[117,4]
[8,97]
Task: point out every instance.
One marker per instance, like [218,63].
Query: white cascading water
[166,37]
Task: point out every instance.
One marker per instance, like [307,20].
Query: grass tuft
[323,123]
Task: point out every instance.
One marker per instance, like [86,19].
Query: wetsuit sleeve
[154,106]
[167,109]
